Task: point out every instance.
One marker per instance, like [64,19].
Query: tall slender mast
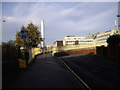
[42,33]
[116,26]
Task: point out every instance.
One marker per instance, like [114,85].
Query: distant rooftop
[58,41]
[71,36]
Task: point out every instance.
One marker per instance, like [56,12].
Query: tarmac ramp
[46,72]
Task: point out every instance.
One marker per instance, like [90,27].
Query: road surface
[96,71]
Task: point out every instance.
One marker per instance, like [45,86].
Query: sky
[61,18]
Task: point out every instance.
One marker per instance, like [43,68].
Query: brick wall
[84,51]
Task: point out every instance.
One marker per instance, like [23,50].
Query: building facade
[101,37]
[93,40]
[98,39]
[73,40]
[58,43]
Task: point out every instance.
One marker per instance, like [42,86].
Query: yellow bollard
[22,64]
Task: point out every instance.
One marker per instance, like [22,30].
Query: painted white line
[75,74]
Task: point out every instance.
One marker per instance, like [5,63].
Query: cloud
[61,19]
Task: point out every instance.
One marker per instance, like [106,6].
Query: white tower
[42,33]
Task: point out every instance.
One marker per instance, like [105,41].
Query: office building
[73,40]
[101,37]
[58,43]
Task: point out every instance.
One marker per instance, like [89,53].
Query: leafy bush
[114,39]
[33,36]
[10,56]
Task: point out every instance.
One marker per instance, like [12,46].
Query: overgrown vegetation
[10,56]
[114,39]
[33,36]
[11,51]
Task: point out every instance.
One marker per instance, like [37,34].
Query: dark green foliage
[33,36]
[9,43]
[9,52]
[114,39]
[10,65]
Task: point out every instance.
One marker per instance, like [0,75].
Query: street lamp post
[118,15]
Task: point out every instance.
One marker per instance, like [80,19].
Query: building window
[116,31]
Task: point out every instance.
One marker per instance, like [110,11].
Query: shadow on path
[45,73]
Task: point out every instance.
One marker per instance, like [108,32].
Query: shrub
[114,39]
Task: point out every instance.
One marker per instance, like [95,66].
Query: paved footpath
[46,73]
